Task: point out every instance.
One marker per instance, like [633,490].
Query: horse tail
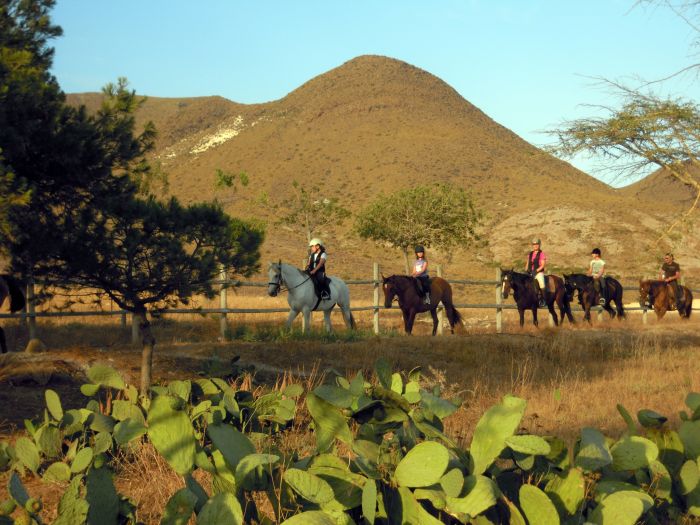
[618,299]
[453,315]
[689,304]
[353,324]
[17,301]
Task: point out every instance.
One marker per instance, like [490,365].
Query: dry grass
[571,377]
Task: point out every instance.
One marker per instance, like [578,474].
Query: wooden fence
[31,315]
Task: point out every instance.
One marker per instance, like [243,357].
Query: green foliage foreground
[381,457]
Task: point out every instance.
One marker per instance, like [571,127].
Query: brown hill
[660,186]
[374,125]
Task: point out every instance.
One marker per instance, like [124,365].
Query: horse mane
[519,275]
[403,278]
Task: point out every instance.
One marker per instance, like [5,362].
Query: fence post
[375,314]
[123,316]
[644,316]
[499,300]
[31,308]
[441,310]
[223,303]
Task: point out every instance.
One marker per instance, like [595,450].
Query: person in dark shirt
[670,272]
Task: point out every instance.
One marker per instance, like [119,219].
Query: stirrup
[601,301]
[426,299]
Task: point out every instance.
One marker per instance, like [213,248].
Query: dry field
[571,376]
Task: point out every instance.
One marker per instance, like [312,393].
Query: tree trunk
[135,329]
[148,343]
[405,258]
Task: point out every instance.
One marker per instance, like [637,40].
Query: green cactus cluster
[381,457]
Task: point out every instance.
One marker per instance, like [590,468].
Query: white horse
[302,296]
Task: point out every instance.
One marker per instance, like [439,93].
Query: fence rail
[31,315]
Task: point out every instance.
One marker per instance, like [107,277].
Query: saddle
[672,301]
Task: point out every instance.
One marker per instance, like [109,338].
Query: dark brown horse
[659,296]
[411,303]
[10,287]
[588,296]
[525,295]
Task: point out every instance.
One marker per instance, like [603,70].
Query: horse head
[506,282]
[274,279]
[389,286]
[569,286]
[646,298]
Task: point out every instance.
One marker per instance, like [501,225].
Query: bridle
[278,283]
[391,285]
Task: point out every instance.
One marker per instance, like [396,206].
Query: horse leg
[567,311]
[522,317]
[290,319]
[609,309]
[550,307]
[327,320]
[534,316]
[410,320]
[3,343]
[433,314]
[307,320]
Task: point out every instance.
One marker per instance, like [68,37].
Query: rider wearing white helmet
[316,267]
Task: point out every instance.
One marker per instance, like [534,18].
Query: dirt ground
[611,357]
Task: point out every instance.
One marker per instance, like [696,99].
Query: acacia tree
[440,215]
[645,130]
[308,210]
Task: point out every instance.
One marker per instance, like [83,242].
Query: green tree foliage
[144,254]
[28,95]
[68,160]
[443,216]
[83,177]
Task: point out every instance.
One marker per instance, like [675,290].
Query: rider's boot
[540,298]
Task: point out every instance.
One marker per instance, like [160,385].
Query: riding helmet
[419,248]
[536,241]
[315,241]
[595,251]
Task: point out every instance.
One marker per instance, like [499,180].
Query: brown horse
[525,295]
[659,296]
[411,303]
[10,287]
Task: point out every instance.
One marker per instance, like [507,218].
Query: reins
[279,282]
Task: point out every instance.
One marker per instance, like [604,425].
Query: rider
[420,272]
[535,266]
[596,269]
[316,267]
[670,272]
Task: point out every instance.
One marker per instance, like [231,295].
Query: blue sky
[528,64]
